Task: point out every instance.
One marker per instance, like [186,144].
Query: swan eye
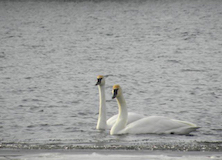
[115,92]
[99,80]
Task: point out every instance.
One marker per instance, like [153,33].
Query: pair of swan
[102,123]
[126,123]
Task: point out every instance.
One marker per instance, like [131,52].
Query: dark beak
[98,82]
[115,93]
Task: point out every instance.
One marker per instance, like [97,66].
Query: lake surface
[166,55]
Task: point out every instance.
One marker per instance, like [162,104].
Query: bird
[146,125]
[102,123]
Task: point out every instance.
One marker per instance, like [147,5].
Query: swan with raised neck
[151,124]
[121,121]
[101,123]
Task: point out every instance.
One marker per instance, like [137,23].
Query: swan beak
[114,93]
[98,82]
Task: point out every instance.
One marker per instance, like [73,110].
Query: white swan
[151,124]
[102,123]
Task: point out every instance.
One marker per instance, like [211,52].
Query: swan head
[116,91]
[100,80]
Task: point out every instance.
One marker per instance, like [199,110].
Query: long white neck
[122,117]
[101,123]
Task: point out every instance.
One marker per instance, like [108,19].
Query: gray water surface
[166,55]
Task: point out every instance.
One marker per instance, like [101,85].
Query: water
[109,155]
[166,55]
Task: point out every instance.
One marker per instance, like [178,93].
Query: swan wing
[158,125]
[132,117]
[111,121]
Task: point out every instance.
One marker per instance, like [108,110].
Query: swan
[102,123]
[147,125]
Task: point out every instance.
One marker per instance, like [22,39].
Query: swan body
[102,123]
[151,124]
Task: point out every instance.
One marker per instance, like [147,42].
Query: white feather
[151,124]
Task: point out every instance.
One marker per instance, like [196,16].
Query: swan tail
[183,131]
[191,129]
